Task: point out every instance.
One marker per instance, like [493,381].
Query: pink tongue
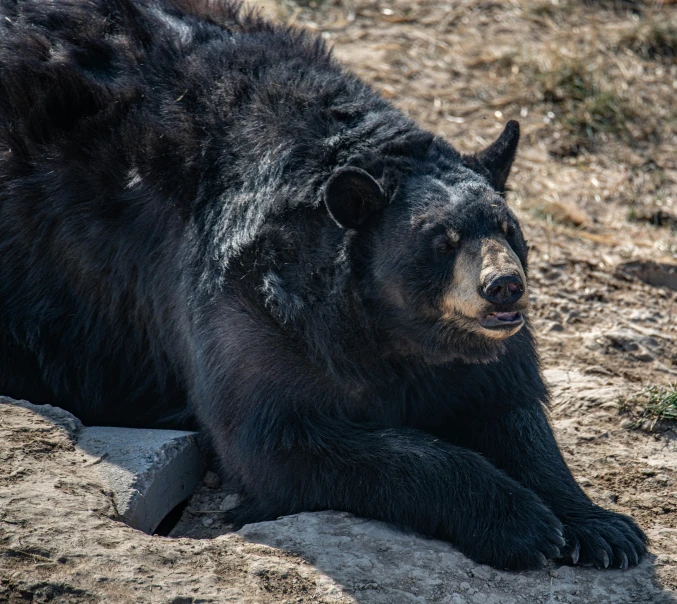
[506,316]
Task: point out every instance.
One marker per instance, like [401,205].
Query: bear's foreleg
[298,442]
[289,463]
[521,442]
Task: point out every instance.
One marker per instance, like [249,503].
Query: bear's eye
[443,244]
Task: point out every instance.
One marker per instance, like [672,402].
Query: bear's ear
[497,158]
[351,196]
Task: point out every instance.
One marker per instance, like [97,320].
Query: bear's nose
[504,289]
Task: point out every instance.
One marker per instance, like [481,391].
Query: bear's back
[175,106]
[142,144]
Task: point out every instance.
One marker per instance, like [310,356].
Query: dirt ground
[593,84]
[61,540]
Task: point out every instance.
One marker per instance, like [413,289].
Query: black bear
[203,216]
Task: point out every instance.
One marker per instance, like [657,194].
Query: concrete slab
[149,471]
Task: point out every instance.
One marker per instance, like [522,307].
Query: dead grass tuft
[566,214]
[652,41]
[582,104]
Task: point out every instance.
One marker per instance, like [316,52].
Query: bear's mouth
[501,320]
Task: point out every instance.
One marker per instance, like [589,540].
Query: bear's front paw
[598,537]
[521,534]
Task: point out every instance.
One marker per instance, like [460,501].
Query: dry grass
[583,103]
[561,213]
[652,40]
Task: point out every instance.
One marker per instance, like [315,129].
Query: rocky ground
[595,185]
[61,540]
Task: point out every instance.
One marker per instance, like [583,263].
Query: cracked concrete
[148,471]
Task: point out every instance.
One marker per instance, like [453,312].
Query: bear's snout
[488,293]
[503,289]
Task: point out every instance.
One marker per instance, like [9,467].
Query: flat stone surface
[148,471]
[377,563]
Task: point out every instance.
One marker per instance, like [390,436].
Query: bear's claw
[624,562]
[604,539]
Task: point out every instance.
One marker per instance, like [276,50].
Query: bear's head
[443,263]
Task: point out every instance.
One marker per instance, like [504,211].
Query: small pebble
[212,480]
[229,502]
[644,357]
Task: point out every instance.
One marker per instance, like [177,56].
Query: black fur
[166,253]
